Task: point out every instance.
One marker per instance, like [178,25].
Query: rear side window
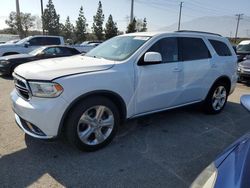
[193,49]
[65,51]
[221,48]
[51,41]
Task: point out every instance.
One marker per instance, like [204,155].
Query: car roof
[181,33]
[46,36]
[54,46]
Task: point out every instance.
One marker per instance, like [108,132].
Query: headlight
[207,178]
[4,62]
[45,89]
[239,68]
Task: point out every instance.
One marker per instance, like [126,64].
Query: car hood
[53,68]
[16,56]
[8,45]
[241,55]
[245,64]
[234,170]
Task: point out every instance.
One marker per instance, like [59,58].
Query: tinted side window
[221,48]
[74,51]
[52,51]
[51,41]
[193,49]
[65,51]
[38,41]
[168,49]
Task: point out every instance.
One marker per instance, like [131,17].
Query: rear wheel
[92,124]
[216,98]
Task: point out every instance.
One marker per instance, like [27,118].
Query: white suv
[88,97]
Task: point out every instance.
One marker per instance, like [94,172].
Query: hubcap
[95,125]
[219,98]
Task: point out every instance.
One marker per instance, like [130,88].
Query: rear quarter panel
[224,65]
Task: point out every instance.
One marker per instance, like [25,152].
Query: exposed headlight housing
[45,89]
[4,62]
[207,178]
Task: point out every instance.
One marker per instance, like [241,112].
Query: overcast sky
[159,13]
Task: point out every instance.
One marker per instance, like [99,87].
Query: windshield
[243,48]
[36,51]
[118,48]
[23,40]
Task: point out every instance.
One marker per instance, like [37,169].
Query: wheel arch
[10,53]
[114,97]
[225,79]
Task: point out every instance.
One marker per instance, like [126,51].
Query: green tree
[98,22]
[20,24]
[12,22]
[68,29]
[51,20]
[132,26]
[27,22]
[111,29]
[81,27]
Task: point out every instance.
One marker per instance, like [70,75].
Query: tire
[216,98]
[86,128]
[12,69]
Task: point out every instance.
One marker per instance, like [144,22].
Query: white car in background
[29,44]
[88,97]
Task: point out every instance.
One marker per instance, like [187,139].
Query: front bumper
[244,75]
[38,117]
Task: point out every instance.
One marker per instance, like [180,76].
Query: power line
[179,23]
[239,17]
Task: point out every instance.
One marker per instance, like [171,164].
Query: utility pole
[179,23]
[239,17]
[132,11]
[42,14]
[19,24]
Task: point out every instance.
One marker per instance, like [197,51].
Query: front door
[157,85]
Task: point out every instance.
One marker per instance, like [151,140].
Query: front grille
[21,87]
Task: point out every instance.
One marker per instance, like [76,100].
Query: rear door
[196,65]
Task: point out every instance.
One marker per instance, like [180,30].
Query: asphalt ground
[167,149]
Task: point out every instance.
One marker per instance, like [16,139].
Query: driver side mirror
[151,58]
[26,44]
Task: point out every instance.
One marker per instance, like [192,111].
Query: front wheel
[92,124]
[216,98]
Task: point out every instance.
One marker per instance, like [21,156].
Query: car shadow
[6,77]
[151,142]
[245,83]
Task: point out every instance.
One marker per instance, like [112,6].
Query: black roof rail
[202,32]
